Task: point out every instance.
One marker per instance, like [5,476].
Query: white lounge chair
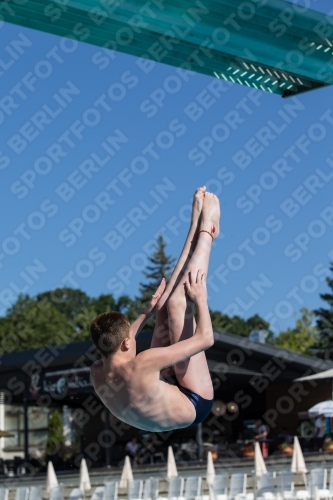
[175,489]
[151,489]
[266,486]
[76,494]
[22,493]
[219,489]
[327,492]
[35,493]
[237,488]
[134,490]
[111,490]
[285,484]
[99,493]
[192,488]
[3,493]
[57,493]
[318,479]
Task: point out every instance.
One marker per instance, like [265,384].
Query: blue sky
[99,152]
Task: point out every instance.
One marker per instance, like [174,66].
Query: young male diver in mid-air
[167,386]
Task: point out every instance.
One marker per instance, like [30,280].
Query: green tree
[324,345]
[68,301]
[238,325]
[223,322]
[123,304]
[302,337]
[55,433]
[60,316]
[160,264]
[31,323]
[256,322]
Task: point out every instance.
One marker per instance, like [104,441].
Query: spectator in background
[260,435]
[132,448]
[154,448]
[320,431]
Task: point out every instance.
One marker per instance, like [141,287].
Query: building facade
[251,380]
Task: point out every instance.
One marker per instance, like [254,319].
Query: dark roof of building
[225,340]
[230,354]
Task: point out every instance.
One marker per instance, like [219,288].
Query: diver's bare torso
[143,400]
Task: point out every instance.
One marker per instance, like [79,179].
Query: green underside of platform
[264,44]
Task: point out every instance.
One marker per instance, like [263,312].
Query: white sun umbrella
[126,475]
[210,469]
[84,476]
[298,463]
[259,464]
[172,469]
[324,408]
[51,478]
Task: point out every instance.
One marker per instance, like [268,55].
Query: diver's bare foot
[197,203]
[210,220]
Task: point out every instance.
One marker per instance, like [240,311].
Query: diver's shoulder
[97,366]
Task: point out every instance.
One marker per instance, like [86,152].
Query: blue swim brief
[202,406]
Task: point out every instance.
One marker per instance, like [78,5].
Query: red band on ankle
[204,231]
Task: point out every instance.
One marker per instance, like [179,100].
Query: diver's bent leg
[193,373]
[161,332]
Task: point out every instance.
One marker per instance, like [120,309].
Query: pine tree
[324,346]
[160,265]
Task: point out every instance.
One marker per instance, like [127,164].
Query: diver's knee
[176,302]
